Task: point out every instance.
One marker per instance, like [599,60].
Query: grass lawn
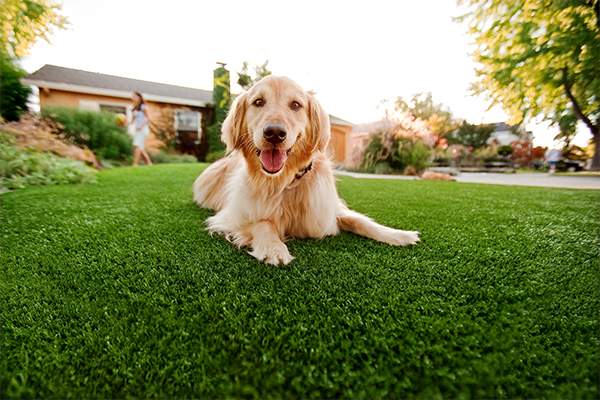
[115,290]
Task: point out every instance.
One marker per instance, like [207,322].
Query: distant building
[341,138]
[505,134]
[95,91]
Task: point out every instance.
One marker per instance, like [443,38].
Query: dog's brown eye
[295,106]
[259,102]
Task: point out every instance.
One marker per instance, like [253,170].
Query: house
[191,109]
[95,91]
[341,138]
[505,134]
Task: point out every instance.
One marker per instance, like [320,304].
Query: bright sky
[353,54]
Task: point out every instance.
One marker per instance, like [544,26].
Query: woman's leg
[136,156]
[146,158]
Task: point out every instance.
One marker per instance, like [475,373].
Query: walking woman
[141,116]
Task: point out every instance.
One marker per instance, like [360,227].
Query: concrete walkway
[537,179]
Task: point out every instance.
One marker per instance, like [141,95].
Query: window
[113,108]
[188,121]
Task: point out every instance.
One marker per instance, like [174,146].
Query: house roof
[60,78]
[500,126]
[338,121]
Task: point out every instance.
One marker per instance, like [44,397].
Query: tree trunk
[596,159]
[582,117]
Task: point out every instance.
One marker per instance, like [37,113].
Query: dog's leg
[266,244]
[209,187]
[352,221]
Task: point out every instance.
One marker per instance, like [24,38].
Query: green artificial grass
[115,290]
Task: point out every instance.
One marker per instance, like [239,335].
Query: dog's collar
[302,173]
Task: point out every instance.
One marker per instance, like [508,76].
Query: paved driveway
[537,179]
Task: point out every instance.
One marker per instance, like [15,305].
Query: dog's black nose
[274,132]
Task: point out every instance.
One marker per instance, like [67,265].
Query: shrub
[214,156]
[381,157]
[524,154]
[94,130]
[165,158]
[411,153]
[485,153]
[505,150]
[393,144]
[20,168]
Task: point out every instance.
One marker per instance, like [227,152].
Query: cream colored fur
[261,210]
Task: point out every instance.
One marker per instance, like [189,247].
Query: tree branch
[576,109]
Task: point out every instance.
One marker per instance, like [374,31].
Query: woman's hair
[142,101]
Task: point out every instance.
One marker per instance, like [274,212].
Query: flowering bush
[524,153]
[393,144]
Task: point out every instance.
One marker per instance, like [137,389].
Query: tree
[23,22]
[539,58]
[13,94]
[244,78]
[438,116]
[470,135]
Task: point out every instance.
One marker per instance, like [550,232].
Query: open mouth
[273,160]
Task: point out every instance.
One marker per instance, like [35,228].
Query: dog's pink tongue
[272,160]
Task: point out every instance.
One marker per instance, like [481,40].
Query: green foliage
[411,153]
[422,106]
[505,150]
[163,157]
[485,153]
[574,152]
[13,98]
[214,156]
[20,168]
[567,125]
[221,101]
[471,135]
[244,78]
[116,290]
[23,22]
[386,154]
[439,117]
[539,58]
[94,130]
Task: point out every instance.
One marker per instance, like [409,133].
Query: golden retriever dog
[277,181]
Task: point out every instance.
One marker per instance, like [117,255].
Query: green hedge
[165,158]
[94,130]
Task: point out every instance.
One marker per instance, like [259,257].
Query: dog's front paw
[402,238]
[274,254]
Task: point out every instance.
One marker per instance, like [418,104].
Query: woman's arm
[147,114]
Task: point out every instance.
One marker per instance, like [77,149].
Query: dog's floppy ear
[234,125]
[319,127]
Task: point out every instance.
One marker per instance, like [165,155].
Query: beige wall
[340,142]
[72,99]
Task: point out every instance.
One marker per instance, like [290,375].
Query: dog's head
[276,124]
